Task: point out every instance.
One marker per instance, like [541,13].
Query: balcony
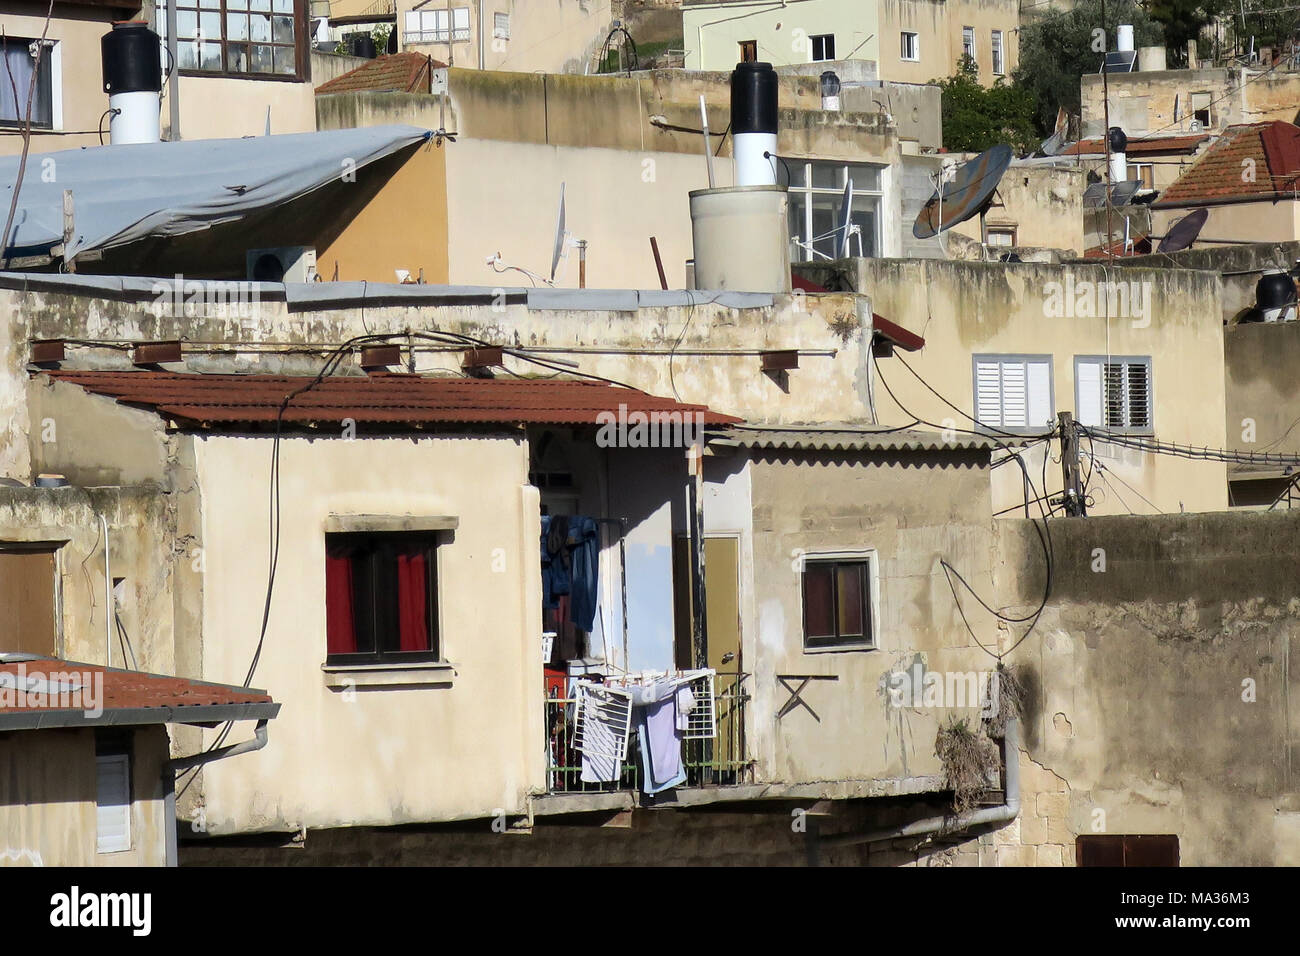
[717,761]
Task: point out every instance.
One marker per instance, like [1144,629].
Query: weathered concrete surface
[1163,682]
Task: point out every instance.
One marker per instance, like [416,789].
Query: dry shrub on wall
[969,759]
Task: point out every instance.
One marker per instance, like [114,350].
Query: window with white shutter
[1113,392]
[112,803]
[1014,392]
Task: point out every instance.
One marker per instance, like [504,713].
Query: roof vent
[378,358]
[156,353]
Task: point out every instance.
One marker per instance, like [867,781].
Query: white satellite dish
[558,245]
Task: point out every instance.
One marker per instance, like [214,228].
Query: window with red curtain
[380,598]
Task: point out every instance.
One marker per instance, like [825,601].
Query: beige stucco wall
[964,309]
[466,747]
[1237,222]
[554,36]
[939,25]
[47,800]
[859,502]
[1144,102]
[224,108]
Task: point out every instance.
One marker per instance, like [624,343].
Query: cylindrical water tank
[830,91]
[753,123]
[1151,59]
[1124,37]
[1118,157]
[132,62]
[1275,296]
[741,237]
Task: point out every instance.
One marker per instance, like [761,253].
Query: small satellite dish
[1184,231]
[1121,194]
[558,246]
[846,218]
[969,194]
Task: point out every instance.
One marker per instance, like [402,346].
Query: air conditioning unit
[285,264]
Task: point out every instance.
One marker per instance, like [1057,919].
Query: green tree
[1056,50]
[1183,20]
[977,117]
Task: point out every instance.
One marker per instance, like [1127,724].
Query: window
[1014,391]
[432,26]
[238,37]
[1201,111]
[748,51]
[1126,850]
[839,601]
[999,66]
[1002,235]
[381,597]
[501,26]
[20,62]
[1113,393]
[112,791]
[816,202]
[28,578]
[968,43]
[910,46]
[1144,173]
[823,47]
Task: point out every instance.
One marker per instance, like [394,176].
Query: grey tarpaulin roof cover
[128,192]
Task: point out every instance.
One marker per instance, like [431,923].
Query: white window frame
[999,421]
[500,26]
[812,50]
[968,45]
[998,52]
[117,763]
[1092,415]
[915,45]
[432,26]
[807,192]
[872,557]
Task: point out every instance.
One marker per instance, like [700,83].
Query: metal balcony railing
[721,761]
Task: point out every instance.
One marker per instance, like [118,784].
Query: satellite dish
[558,246]
[969,194]
[846,218]
[1184,231]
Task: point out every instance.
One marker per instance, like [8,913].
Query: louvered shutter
[113,803]
[1138,394]
[988,393]
[1015,411]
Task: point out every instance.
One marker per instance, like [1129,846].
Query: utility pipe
[1005,813]
[108,602]
[173,767]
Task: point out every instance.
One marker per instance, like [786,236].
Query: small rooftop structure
[1249,163]
[45,692]
[1096,146]
[407,72]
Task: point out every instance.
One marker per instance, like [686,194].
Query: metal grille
[722,760]
[702,721]
[564,759]
[602,721]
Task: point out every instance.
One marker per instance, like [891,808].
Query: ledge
[344,676]
[342,524]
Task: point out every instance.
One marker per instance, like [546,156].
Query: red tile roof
[48,692]
[1249,163]
[1136,147]
[399,73]
[382,399]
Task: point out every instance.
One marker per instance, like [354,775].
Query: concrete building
[523,36]
[910,41]
[69,104]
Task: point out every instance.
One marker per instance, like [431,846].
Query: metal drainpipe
[1005,813]
[108,602]
[173,767]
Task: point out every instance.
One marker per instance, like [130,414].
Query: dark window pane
[819,601]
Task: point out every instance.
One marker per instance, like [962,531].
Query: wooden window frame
[55,548]
[868,559]
[301,44]
[432,540]
[748,51]
[1116,849]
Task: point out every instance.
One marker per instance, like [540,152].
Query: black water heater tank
[132,59]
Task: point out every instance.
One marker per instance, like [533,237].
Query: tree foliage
[977,117]
[1059,48]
